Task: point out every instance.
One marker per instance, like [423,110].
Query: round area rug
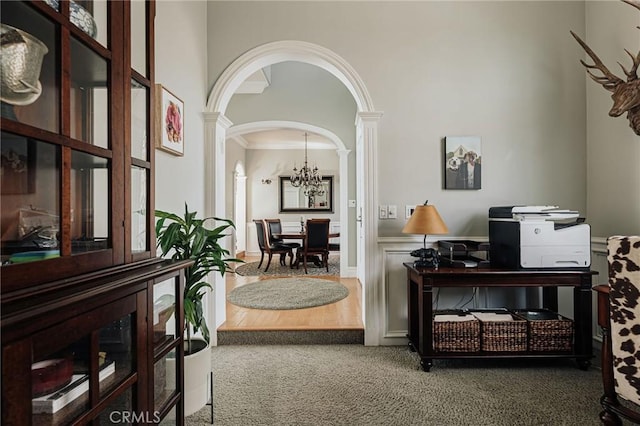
[288,293]
[275,269]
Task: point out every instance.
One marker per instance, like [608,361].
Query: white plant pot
[197,368]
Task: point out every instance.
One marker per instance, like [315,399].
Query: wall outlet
[383,212]
[393,212]
[408,211]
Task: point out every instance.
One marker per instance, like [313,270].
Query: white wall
[181,66]
[263,200]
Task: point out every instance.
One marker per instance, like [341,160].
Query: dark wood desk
[422,281]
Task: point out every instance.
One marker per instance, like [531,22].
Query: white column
[345,222]
[215,127]
[367,123]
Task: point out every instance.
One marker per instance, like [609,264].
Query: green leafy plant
[187,238]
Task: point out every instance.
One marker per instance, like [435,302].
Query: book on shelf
[79,384]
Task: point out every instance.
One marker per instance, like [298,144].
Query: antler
[608,80]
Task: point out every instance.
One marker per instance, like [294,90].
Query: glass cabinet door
[30,89]
[75,156]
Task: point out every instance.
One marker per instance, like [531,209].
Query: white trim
[261,126]
[281,51]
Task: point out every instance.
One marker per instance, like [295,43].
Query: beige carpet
[358,385]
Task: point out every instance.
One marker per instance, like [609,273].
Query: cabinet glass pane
[89,96]
[120,411]
[116,352]
[60,384]
[169,419]
[89,202]
[164,306]
[139,120]
[30,199]
[138,209]
[164,379]
[139,37]
[88,15]
[29,90]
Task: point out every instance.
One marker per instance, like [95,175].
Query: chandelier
[307,178]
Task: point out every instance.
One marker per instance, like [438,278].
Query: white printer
[538,237]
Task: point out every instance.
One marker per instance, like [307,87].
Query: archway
[217,125]
[342,153]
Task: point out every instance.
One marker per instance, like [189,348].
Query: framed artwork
[170,121]
[462,162]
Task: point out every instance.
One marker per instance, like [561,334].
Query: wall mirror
[293,199]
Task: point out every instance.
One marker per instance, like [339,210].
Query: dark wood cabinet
[108,352]
[91,320]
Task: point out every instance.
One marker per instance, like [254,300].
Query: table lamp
[424,220]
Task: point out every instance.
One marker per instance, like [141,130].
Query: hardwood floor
[342,315]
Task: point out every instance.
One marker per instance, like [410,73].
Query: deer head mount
[626,94]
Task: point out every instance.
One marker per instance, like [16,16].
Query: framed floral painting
[170,121]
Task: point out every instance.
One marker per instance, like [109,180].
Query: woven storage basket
[548,331]
[459,335]
[503,336]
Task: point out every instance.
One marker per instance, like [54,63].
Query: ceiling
[282,138]
[276,138]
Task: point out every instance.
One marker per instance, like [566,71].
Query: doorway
[217,125]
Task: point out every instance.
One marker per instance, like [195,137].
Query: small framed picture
[462,162]
[170,121]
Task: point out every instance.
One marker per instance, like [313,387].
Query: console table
[422,281]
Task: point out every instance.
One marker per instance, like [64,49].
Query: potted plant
[187,238]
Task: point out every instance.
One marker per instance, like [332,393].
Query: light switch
[383,212]
[352,203]
[393,212]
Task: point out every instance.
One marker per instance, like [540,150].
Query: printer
[538,237]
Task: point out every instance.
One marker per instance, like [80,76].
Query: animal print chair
[619,317]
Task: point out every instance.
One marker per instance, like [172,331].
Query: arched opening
[341,151]
[217,125]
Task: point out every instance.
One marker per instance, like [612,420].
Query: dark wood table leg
[426,324]
[582,317]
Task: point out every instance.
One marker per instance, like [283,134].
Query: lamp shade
[425,220]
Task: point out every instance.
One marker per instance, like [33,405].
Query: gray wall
[505,71]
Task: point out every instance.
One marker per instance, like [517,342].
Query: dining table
[300,235]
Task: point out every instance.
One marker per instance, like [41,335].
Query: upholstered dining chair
[266,246]
[316,242]
[275,228]
[619,317]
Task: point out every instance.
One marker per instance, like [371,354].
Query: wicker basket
[461,334]
[548,331]
[509,335]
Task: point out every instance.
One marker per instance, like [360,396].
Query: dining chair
[275,228]
[316,242]
[266,246]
